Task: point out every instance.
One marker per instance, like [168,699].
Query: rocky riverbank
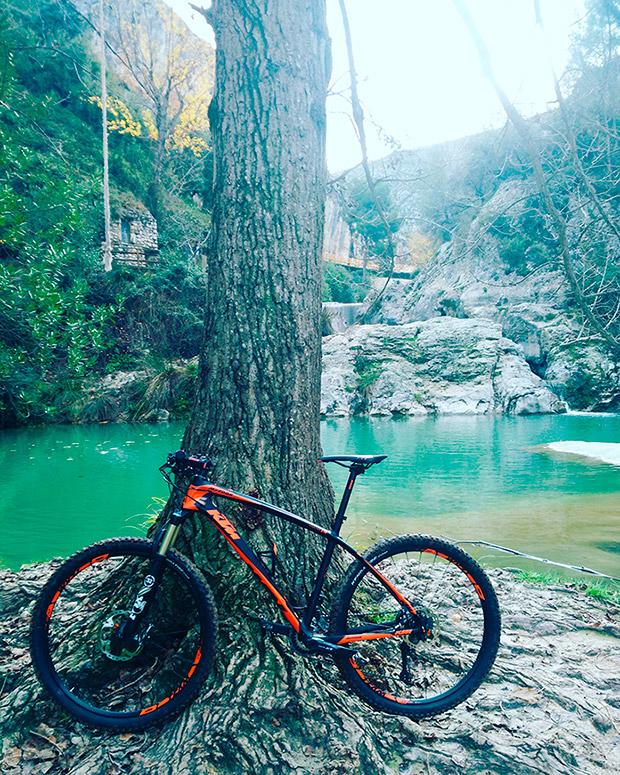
[550,706]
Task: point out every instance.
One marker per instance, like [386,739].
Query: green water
[464,477]
[68,485]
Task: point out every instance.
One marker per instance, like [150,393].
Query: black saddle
[365,461]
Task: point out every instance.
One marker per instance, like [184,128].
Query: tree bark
[257,408]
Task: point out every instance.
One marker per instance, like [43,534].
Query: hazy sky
[419,77]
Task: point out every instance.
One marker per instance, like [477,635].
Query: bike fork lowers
[127,640]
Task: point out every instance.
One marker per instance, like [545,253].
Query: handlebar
[181,464]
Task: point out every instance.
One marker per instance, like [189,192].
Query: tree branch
[358,118]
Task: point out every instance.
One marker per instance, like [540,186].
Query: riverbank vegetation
[606,590]
[66,325]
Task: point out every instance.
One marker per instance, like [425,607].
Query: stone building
[133,234]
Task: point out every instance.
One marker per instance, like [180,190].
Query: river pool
[468,478]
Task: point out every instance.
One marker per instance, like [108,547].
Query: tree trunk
[257,408]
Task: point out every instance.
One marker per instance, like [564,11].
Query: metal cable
[538,559]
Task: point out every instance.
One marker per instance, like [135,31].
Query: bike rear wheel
[73,626]
[424,665]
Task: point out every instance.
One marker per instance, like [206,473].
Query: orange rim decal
[439,554]
[92,562]
[184,683]
[375,688]
[475,584]
[50,607]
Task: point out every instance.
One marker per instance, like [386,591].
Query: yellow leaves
[192,123]
[187,135]
[149,124]
[119,117]
[421,248]
[170,72]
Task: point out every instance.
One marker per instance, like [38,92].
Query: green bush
[62,318]
[342,284]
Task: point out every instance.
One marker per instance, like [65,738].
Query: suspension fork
[125,637]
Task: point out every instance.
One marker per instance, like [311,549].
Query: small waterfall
[341,315]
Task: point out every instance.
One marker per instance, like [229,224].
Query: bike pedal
[279,629]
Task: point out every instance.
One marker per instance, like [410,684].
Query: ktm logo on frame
[224,523]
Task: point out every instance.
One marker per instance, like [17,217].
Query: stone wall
[134,238]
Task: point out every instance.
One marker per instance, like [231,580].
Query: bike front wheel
[72,638]
[424,663]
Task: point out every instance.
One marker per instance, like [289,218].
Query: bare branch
[527,138]
[358,117]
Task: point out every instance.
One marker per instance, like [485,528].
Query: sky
[419,78]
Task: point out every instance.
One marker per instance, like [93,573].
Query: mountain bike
[124,632]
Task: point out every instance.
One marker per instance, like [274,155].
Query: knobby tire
[417,674]
[86,599]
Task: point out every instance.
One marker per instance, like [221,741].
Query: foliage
[368,371]
[343,284]
[170,388]
[604,589]
[162,312]
[584,389]
[524,240]
[62,320]
[421,248]
[372,224]
[169,74]
[49,335]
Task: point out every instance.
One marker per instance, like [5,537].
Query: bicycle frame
[198,499]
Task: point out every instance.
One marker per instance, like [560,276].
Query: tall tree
[107,249]
[257,408]
[172,70]
[256,413]
[264,709]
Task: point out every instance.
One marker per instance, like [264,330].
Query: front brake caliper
[111,638]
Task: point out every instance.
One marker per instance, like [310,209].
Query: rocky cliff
[490,296]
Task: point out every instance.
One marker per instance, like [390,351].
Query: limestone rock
[443,365]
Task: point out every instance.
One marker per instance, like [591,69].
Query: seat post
[354,471]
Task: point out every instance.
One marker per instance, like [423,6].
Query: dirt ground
[551,704]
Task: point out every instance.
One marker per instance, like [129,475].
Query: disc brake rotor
[109,631]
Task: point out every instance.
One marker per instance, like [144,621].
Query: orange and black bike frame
[199,499]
